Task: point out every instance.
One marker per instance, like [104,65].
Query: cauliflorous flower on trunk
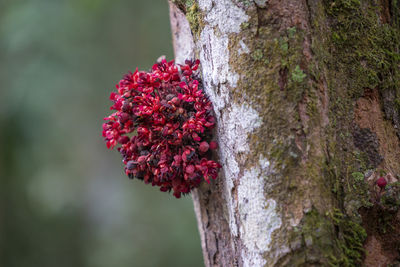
[381,182]
[163,125]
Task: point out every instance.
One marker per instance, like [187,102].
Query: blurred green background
[64,199]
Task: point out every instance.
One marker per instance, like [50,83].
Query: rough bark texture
[306,96]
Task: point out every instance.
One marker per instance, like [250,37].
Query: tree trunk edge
[183,46]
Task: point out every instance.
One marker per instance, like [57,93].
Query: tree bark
[306,96]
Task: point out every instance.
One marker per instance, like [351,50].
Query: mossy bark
[307,100]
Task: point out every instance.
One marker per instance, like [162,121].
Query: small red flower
[163,122]
[204,147]
[381,182]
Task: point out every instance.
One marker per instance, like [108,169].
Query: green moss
[361,160]
[193,14]
[284,45]
[291,32]
[184,4]
[257,54]
[317,231]
[363,53]
[363,47]
[358,176]
[193,17]
[357,194]
[298,75]
[244,25]
[311,242]
[245,2]
[350,241]
[330,239]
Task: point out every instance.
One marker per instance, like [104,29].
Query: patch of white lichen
[252,217]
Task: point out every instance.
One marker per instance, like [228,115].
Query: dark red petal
[204,146]
[123,139]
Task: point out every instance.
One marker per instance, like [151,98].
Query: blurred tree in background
[64,199]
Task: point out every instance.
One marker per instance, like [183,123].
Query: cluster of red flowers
[163,123]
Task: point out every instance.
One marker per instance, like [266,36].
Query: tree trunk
[306,96]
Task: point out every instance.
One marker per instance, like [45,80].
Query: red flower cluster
[163,123]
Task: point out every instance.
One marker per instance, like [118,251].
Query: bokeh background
[64,199]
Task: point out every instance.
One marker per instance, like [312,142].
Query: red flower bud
[123,117]
[213,145]
[123,139]
[381,182]
[189,169]
[177,161]
[203,146]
